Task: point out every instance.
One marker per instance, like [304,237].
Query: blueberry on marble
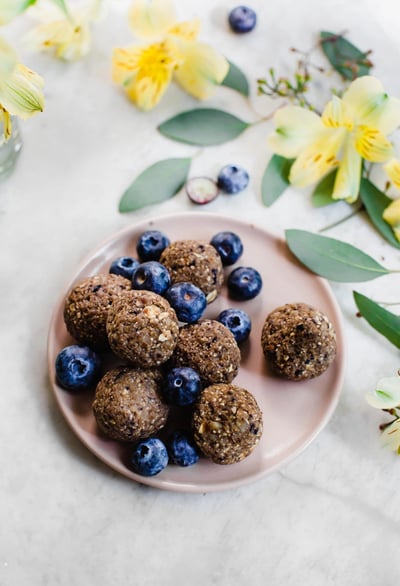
[182,450]
[151,244]
[232,179]
[229,247]
[182,386]
[77,368]
[244,283]
[149,457]
[151,276]
[188,301]
[237,321]
[242,19]
[124,266]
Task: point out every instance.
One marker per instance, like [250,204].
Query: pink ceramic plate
[294,412]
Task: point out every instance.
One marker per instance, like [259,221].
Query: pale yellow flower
[387,393]
[391,436]
[351,128]
[9,9]
[66,34]
[175,53]
[20,89]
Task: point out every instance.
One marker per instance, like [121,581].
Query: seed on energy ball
[298,341]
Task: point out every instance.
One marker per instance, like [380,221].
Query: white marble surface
[332,516]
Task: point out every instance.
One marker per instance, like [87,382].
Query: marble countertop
[330,516]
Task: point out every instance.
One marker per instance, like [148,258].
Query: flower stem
[344,219]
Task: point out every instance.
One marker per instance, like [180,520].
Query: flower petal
[8,59]
[19,95]
[392,169]
[336,114]
[391,436]
[152,18]
[147,90]
[11,8]
[372,144]
[386,395]
[391,215]
[296,129]
[188,30]
[347,181]
[202,69]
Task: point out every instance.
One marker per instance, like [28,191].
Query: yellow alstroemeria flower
[67,34]
[351,128]
[9,9]
[146,71]
[391,436]
[20,89]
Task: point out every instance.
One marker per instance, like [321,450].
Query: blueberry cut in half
[77,368]
[229,247]
[151,244]
[242,19]
[182,450]
[244,283]
[188,301]
[182,386]
[151,276]
[149,457]
[233,179]
[124,266]
[237,321]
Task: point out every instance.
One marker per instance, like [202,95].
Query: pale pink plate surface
[294,412]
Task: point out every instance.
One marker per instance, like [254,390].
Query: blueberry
[182,450]
[152,276]
[77,368]
[244,283]
[182,386]
[233,179]
[124,266]
[188,301]
[237,321]
[201,190]
[242,19]
[229,247]
[151,244]
[149,457]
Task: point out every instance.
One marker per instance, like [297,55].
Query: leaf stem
[344,219]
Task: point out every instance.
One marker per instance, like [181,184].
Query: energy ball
[142,328]
[86,307]
[128,406]
[195,262]
[298,341]
[227,423]
[210,349]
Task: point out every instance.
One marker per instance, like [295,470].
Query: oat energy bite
[210,349]
[298,341]
[195,262]
[86,307]
[128,404]
[142,328]
[227,423]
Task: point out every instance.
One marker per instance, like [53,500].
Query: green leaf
[203,126]
[157,183]
[322,194]
[332,258]
[344,57]
[375,203]
[236,80]
[275,179]
[382,320]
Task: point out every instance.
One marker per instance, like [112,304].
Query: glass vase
[9,149]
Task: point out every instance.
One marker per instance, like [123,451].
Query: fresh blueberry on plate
[232,179]
[149,457]
[188,301]
[242,19]
[229,247]
[151,244]
[237,321]
[244,283]
[124,266]
[152,276]
[201,190]
[182,386]
[77,368]
[182,450]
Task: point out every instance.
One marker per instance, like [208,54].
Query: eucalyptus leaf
[236,80]
[344,57]
[382,320]
[375,203]
[203,126]
[322,194]
[157,183]
[333,259]
[275,179]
